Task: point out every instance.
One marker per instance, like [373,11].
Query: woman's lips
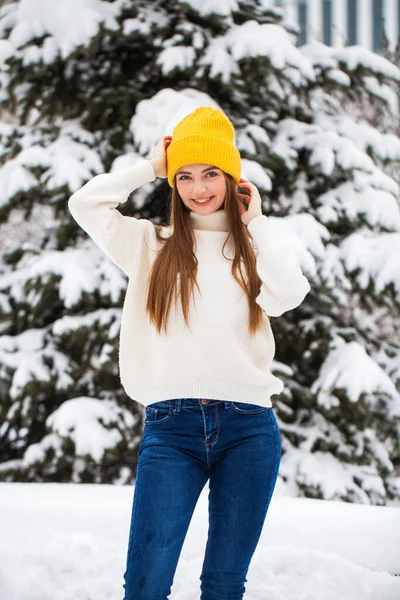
[204,203]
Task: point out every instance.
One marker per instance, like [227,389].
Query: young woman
[195,349]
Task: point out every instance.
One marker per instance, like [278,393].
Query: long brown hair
[176,262]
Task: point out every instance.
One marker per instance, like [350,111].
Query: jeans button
[203,401]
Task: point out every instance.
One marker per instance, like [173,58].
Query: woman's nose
[198,187]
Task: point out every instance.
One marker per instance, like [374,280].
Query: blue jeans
[186,442]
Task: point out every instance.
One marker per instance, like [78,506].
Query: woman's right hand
[159,156]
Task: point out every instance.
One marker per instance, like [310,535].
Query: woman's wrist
[155,164]
[159,156]
[158,167]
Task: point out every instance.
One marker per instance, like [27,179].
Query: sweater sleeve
[93,207]
[283,285]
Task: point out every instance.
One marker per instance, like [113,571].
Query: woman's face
[198,182]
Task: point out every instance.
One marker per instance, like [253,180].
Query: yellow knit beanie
[204,136]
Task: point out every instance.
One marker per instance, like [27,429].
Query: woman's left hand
[253,201]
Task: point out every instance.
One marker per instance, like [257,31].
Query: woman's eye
[211,173]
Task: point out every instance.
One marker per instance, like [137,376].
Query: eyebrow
[189,173]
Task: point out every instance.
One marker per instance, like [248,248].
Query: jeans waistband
[195,403]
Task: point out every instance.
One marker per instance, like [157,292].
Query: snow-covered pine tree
[96,95]
[393,54]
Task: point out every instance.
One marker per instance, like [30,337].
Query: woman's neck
[216,221]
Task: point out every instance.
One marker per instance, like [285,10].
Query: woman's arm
[283,285]
[93,207]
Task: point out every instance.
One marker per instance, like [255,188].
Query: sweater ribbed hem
[210,389]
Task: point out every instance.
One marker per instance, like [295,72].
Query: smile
[204,200]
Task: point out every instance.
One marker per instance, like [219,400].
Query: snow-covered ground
[68,542]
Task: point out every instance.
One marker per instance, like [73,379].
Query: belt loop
[226,404]
[177,408]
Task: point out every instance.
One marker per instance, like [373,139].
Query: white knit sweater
[216,358]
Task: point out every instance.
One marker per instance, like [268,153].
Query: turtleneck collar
[216,221]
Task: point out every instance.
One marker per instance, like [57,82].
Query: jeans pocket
[244,408]
[158,412]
